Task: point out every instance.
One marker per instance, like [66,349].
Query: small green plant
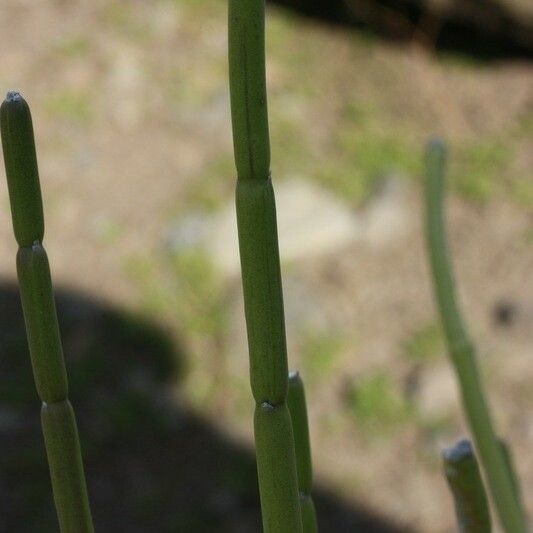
[496,463]
[375,404]
[304,466]
[73,106]
[318,354]
[425,344]
[57,416]
[261,275]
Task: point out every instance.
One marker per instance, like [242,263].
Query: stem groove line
[261,274]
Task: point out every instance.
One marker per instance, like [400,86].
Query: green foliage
[522,192]
[76,46]
[70,105]
[318,353]
[375,403]
[208,191]
[184,287]
[200,289]
[479,168]
[424,344]
[366,153]
[186,292]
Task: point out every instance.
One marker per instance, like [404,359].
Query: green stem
[304,467]
[249,114]
[278,488]
[261,276]
[468,491]
[512,472]
[58,421]
[66,467]
[462,352]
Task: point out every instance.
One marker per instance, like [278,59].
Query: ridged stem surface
[464,479]
[304,467]
[461,350]
[33,270]
[261,277]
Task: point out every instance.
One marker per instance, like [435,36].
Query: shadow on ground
[485,29]
[152,466]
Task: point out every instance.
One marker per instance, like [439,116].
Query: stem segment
[58,421]
[261,276]
[466,485]
[302,445]
[461,351]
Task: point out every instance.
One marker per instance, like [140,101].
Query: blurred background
[131,114]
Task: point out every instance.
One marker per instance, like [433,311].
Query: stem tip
[458,452]
[13,96]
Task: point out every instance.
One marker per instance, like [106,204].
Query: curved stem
[461,350]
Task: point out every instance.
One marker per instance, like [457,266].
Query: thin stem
[304,467]
[512,472]
[261,276]
[58,420]
[461,350]
[464,479]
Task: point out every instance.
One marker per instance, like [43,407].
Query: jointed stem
[58,421]
[258,244]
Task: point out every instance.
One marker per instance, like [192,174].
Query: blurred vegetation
[318,353]
[425,344]
[143,451]
[364,137]
[335,128]
[376,404]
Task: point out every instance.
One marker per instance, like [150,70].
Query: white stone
[312,222]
